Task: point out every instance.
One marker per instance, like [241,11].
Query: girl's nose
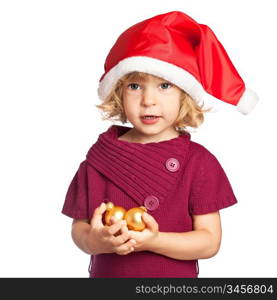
[148,97]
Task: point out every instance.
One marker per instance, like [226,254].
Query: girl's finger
[98,214]
[126,252]
[125,248]
[124,227]
[111,230]
[121,238]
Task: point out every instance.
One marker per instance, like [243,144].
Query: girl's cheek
[132,93]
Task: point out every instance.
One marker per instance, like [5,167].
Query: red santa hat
[175,47]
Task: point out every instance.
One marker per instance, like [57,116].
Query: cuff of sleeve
[206,208]
[74,214]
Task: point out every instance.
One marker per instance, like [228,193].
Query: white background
[51,57]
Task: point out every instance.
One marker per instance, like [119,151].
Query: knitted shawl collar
[139,169]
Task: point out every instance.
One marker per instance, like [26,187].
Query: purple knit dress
[173,179]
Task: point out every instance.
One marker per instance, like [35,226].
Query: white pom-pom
[247,101]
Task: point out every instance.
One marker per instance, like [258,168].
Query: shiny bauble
[112,210]
[133,218]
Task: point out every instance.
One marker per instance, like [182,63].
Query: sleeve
[211,189]
[76,199]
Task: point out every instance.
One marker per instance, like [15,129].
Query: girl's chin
[149,131]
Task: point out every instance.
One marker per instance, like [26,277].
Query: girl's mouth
[149,119]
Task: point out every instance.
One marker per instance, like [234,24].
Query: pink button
[151,202]
[172,164]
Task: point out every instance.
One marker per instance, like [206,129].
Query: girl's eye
[134,86]
[166,85]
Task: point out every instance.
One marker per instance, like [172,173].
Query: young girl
[156,75]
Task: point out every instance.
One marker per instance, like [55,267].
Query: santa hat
[175,47]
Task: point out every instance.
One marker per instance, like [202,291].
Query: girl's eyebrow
[137,79]
[133,80]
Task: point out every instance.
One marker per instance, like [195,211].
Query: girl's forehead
[143,77]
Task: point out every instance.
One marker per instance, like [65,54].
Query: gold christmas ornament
[113,211]
[133,216]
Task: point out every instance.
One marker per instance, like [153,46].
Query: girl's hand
[108,239]
[144,239]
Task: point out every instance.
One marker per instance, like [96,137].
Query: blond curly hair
[190,114]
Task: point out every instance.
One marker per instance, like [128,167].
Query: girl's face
[152,96]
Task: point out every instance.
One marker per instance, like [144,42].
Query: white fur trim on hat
[159,68]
